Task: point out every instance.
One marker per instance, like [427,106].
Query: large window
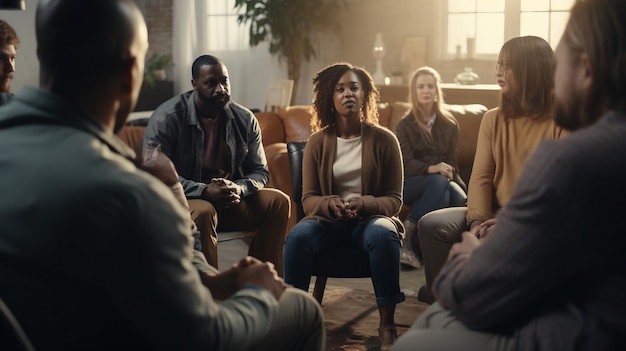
[491,22]
[224,33]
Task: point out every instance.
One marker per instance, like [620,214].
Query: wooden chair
[341,262]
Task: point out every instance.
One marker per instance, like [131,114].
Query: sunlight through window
[491,22]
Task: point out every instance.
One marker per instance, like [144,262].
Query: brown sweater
[381,174]
[502,149]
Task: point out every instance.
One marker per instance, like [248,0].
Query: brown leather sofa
[293,124]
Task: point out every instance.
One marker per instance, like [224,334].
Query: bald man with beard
[95,252]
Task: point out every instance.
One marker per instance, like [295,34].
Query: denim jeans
[431,192]
[377,236]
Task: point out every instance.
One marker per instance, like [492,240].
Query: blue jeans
[376,236]
[431,192]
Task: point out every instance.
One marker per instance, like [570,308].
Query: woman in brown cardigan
[351,188]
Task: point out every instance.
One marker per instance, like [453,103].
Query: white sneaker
[407,257]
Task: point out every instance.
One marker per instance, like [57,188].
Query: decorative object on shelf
[396,78]
[467,77]
[156,68]
[471,48]
[379,53]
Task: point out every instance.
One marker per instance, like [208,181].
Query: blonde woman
[428,137]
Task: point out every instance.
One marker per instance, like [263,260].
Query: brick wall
[158,16]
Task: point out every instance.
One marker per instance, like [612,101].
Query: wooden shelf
[485,94]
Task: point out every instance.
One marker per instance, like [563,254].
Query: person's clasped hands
[445,169]
[472,239]
[252,271]
[249,271]
[222,192]
[484,228]
[345,210]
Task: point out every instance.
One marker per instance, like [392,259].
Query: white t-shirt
[347,168]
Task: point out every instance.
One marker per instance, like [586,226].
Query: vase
[159,74]
[467,77]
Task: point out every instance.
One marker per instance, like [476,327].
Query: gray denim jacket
[174,125]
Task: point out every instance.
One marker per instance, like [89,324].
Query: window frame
[512,28]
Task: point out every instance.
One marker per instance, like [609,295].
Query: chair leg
[318,290]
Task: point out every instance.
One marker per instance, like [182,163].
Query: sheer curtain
[250,69]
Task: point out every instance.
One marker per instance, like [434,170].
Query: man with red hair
[8,48]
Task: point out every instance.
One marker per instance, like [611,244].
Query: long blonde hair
[417,111]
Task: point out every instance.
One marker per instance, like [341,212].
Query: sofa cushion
[272,128]
[384,114]
[399,109]
[469,118]
[132,135]
[297,122]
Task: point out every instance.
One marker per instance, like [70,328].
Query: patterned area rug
[352,318]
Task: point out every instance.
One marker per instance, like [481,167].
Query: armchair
[337,262]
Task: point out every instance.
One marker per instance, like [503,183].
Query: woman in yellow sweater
[508,134]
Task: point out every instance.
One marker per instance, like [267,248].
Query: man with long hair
[550,275]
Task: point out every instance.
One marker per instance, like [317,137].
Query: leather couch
[293,124]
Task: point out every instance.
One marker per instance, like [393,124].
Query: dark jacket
[174,125]
[418,152]
[95,253]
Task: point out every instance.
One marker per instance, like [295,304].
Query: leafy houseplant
[156,65]
[290,26]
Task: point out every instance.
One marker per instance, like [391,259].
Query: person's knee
[381,230]
[439,181]
[304,307]
[202,210]
[300,324]
[301,233]
[442,226]
[301,301]
[275,201]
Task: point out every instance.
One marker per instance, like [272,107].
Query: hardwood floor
[410,279]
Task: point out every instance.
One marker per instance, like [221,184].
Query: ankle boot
[387,335]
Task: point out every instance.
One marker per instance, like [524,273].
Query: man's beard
[568,114]
[5,85]
[211,101]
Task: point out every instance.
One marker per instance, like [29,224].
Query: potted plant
[291,27]
[156,68]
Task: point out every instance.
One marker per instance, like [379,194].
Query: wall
[158,16]
[397,20]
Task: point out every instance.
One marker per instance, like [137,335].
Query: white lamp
[379,53]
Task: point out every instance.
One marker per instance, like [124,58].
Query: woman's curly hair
[324,83]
